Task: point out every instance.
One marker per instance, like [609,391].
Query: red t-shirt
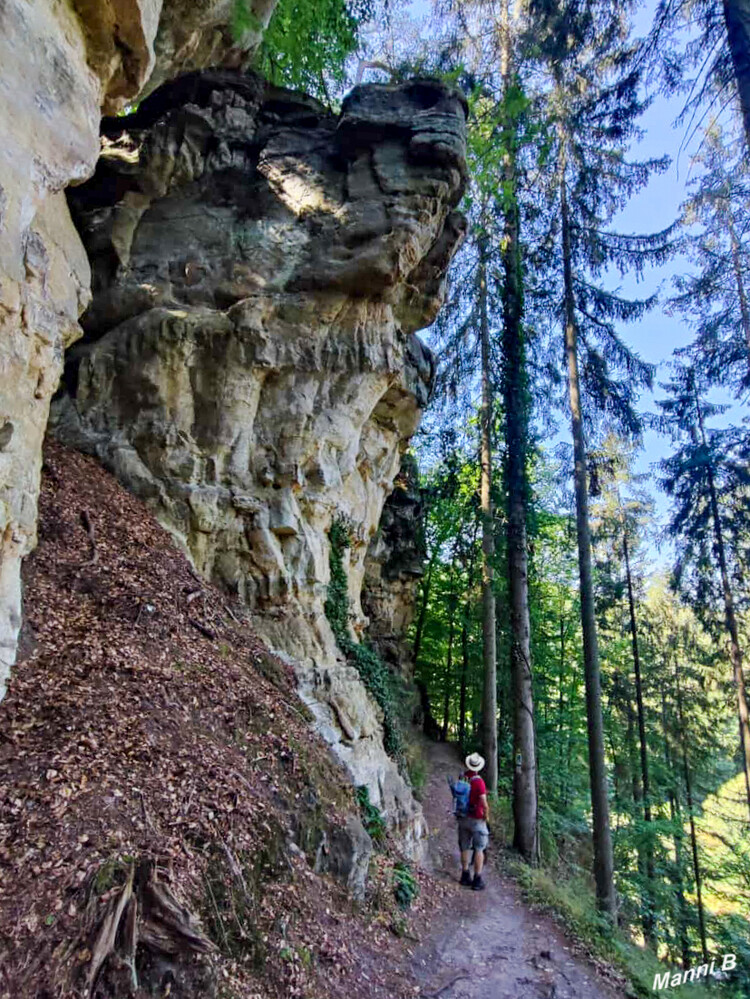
[478,788]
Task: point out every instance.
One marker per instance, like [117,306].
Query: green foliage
[307,42]
[243,20]
[405,884]
[572,899]
[416,768]
[372,817]
[376,676]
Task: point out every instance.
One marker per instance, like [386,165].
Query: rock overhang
[250,365]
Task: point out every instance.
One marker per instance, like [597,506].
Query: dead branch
[143,914]
[105,941]
[231,613]
[207,632]
[130,939]
[367,64]
[234,867]
[89,529]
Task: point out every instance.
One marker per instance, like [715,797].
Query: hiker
[472,812]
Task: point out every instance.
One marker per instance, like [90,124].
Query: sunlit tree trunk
[602,837]
[735,652]
[691,819]
[675,815]
[489,647]
[525,835]
[648,915]
[464,676]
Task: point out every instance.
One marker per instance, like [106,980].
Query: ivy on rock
[376,676]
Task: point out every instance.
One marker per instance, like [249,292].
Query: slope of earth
[492,944]
[165,807]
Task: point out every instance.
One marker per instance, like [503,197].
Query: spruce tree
[715,298]
[594,107]
[708,478]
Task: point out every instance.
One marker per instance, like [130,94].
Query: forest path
[490,944]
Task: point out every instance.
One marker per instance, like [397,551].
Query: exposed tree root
[145,932]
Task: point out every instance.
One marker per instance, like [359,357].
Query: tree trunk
[426,585]
[448,688]
[691,817]
[676,819]
[464,676]
[525,807]
[735,653]
[489,650]
[737,20]
[741,293]
[647,914]
[561,709]
[603,858]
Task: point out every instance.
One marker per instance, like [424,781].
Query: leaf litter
[159,776]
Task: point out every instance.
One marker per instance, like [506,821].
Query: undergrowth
[372,817]
[572,900]
[405,884]
[376,676]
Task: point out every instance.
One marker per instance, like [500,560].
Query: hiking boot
[466,880]
[477,884]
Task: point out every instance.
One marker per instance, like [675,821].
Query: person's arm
[485,807]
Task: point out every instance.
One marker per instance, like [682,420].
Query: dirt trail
[490,944]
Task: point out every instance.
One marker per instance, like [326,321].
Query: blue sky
[657,206]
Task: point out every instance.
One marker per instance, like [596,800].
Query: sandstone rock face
[49,120]
[250,366]
[393,567]
[59,63]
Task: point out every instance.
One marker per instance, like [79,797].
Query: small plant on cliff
[405,884]
[372,817]
[375,674]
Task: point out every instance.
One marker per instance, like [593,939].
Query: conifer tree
[595,104]
[708,478]
[716,298]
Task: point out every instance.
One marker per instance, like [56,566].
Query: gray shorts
[473,834]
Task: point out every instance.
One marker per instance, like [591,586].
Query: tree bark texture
[602,837]
[489,646]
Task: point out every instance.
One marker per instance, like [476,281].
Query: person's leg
[464,845]
[480,845]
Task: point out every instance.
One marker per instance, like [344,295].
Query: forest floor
[492,944]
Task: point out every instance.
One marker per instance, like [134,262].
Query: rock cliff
[249,366]
[393,567]
[59,64]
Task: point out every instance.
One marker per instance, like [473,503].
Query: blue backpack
[461,790]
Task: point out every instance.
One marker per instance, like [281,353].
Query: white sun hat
[474,762]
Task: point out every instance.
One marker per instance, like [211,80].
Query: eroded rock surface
[59,64]
[250,366]
[393,567]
